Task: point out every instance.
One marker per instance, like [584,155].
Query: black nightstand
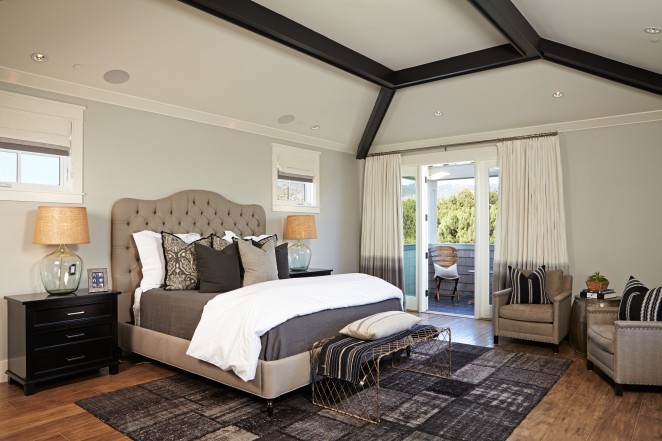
[53,336]
[310,272]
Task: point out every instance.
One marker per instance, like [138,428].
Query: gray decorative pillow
[180,267]
[380,325]
[259,263]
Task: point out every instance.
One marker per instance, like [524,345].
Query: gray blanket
[178,313]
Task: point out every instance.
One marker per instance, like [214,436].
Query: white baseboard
[4,365]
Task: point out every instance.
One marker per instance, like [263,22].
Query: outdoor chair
[444,260]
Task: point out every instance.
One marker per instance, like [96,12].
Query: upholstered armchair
[629,352]
[546,323]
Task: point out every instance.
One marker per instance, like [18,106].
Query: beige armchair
[544,323]
[628,352]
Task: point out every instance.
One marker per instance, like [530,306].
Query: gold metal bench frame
[426,351]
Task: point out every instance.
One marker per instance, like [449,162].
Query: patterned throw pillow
[640,303]
[528,289]
[218,243]
[180,267]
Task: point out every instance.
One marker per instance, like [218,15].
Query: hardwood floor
[580,406]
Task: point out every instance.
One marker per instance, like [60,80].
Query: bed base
[272,378]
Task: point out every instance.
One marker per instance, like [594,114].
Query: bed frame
[202,212]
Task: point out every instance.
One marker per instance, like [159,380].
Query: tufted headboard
[194,211]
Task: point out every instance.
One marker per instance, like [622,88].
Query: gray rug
[490,393]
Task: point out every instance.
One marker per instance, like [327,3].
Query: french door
[421,176]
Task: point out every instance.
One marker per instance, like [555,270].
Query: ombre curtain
[530,228]
[381,226]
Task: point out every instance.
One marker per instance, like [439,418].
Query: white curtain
[381,226]
[530,227]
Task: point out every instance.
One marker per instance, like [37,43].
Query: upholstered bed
[205,213]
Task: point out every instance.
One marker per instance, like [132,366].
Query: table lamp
[61,270]
[299,228]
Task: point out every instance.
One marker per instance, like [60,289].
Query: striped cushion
[528,289]
[380,325]
[640,303]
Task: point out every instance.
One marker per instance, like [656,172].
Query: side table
[578,319]
[311,272]
[53,336]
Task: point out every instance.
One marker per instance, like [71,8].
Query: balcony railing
[465,267]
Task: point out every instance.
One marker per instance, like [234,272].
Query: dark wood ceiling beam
[602,66]
[510,22]
[263,21]
[376,117]
[490,58]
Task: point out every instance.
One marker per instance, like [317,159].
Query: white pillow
[446,273]
[230,235]
[150,250]
[380,325]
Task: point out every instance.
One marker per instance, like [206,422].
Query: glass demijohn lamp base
[299,256]
[61,271]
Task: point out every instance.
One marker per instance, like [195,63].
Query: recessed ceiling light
[38,57]
[77,66]
[558,94]
[315,127]
[116,76]
[652,30]
[438,113]
[285,119]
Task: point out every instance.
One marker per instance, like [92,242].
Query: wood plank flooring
[580,406]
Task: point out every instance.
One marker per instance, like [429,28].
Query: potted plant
[597,282]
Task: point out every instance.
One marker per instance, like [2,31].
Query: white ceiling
[189,64]
[395,33]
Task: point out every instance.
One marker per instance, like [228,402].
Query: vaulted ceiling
[351,75]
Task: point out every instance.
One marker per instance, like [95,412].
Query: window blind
[34,132]
[294,168]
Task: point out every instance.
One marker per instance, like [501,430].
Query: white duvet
[232,323]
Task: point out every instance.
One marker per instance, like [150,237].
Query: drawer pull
[76,313]
[80,357]
[82,334]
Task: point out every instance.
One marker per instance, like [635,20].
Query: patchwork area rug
[490,393]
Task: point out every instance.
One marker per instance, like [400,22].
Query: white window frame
[70,190]
[279,150]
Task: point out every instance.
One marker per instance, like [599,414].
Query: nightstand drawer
[55,315]
[74,356]
[72,335]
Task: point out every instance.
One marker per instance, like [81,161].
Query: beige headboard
[195,211]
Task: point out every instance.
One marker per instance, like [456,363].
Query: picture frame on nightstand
[97,280]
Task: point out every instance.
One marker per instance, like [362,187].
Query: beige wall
[613,188]
[131,153]
[612,191]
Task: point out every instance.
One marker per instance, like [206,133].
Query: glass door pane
[452,208]
[409,233]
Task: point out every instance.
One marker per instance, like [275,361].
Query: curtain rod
[461,144]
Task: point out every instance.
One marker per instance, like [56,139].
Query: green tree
[409,219]
[456,217]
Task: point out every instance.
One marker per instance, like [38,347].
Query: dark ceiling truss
[524,44]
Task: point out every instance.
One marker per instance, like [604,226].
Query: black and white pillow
[180,266]
[528,289]
[640,303]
